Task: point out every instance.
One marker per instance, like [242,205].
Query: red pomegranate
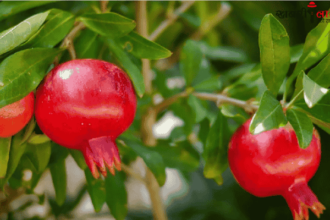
[15,116]
[85,105]
[272,163]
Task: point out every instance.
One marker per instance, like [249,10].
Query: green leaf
[39,155]
[199,111]
[152,159]
[108,24]
[269,115]
[79,158]
[321,73]
[38,139]
[16,35]
[133,72]
[316,46]
[234,112]
[302,125]
[190,61]
[86,45]
[29,130]
[215,150]
[312,91]
[4,155]
[15,154]
[208,85]
[54,30]
[58,173]
[143,48]
[296,52]
[274,52]
[96,190]
[182,156]
[223,53]
[321,109]
[116,196]
[22,72]
[9,8]
[58,153]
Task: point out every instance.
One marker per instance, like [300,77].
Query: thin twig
[167,102]
[218,98]
[165,24]
[104,5]
[131,172]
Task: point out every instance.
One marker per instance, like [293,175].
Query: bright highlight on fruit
[15,116]
[85,105]
[272,163]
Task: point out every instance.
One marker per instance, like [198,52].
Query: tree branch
[172,18]
[167,102]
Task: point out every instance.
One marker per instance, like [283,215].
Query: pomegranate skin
[272,163]
[85,105]
[15,116]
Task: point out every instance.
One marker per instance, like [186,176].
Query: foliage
[213,78]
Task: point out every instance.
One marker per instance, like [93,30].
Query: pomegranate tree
[272,163]
[85,105]
[15,116]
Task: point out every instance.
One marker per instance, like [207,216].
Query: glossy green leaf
[143,48]
[4,155]
[116,196]
[199,110]
[190,60]
[204,127]
[321,109]
[22,72]
[224,53]
[312,91]
[181,156]
[296,52]
[133,72]
[58,173]
[79,158]
[96,190]
[274,52]
[269,115]
[39,155]
[38,139]
[237,113]
[152,159]
[16,35]
[316,46]
[108,24]
[302,125]
[215,149]
[54,30]
[321,73]
[86,45]
[9,8]
[29,130]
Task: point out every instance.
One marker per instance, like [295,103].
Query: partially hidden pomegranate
[85,105]
[15,116]
[272,163]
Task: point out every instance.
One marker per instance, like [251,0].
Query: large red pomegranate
[86,104]
[15,116]
[272,163]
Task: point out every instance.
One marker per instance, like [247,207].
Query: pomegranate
[15,116]
[272,163]
[85,105]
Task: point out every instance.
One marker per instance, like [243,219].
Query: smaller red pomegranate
[272,163]
[15,116]
[85,105]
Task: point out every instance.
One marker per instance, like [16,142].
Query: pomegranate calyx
[102,153]
[300,198]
